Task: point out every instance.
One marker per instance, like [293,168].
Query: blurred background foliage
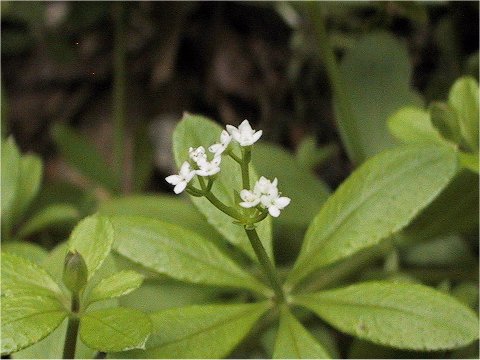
[231,61]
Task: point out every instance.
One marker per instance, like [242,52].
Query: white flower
[264,186]
[250,198]
[181,180]
[244,135]
[208,168]
[197,154]
[274,202]
[219,148]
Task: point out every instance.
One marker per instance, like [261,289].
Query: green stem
[245,166]
[267,265]
[119,92]
[72,329]
[221,206]
[345,118]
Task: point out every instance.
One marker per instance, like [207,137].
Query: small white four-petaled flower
[265,192]
[244,134]
[209,168]
[182,179]
[219,148]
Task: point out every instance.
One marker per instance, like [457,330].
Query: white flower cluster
[265,192]
[244,135]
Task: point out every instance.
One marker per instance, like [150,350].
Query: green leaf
[116,285]
[28,319]
[445,121]
[377,73]
[116,329]
[377,200]
[194,131]
[80,153]
[294,341]
[200,331]
[308,193]
[407,316]
[171,209]
[9,177]
[463,97]
[412,125]
[47,217]
[179,253]
[23,277]
[31,251]
[92,238]
[29,180]
[455,210]
[469,161]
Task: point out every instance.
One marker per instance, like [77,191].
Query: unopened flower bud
[75,272]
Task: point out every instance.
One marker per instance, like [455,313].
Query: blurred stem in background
[119,93]
[343,108]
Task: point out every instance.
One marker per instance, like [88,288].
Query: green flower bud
[75,272]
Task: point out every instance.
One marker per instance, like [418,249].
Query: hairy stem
[72,329]
[266,263]
[119,92]
[345,118]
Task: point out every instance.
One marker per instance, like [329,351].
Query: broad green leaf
[10,175]
[171,209]
[463,97]
[445,120]
[31,171]
[295,342]
[23,277]
[31,251]
[47,217]
[454,211]
[160,294]
[308,193]
[92,238]
[412,125]
[28,319]
[116,285]
[200,331]
[194,131]
[469,161]
[179,253]
[80,153]
[377,200]
[407,316]
[116,329]
[376,72]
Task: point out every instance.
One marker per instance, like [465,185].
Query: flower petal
[274,211]
[180,187]
[173,179]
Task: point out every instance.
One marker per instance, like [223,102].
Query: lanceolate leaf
[178,253]
[27,320]
[407,316]
[92,238]
[463,98]
[49,216]
[202,331]
[28,183]
[116,329]
[377,200]
[295,342]
[194,131]
[116,285]
[79,153]
[10,174]
[23,277]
